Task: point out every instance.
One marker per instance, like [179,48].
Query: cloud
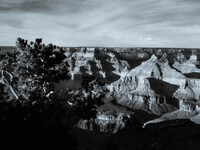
[157,23]
[24,6]
[145,39]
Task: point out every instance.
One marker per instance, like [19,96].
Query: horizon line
[117,47]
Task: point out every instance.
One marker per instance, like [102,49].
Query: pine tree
[35,112]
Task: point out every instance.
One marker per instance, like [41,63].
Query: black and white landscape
[111,80]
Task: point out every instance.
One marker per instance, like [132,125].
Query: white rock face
[196,119]
[178,114]
[188,66]
[84,59]
[134,89]
[80,59]
[158,69]
[121,67]
[191,90]
[105,122]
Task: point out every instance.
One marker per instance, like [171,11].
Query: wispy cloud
[23,6]
[157,23]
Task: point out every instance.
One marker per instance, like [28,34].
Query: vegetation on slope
[32,114]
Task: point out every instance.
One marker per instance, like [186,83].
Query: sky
[106,23]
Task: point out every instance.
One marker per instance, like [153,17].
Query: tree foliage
[30,109]
[33,118]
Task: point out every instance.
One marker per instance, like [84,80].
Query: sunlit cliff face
[165,83]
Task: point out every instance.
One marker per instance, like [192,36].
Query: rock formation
[158,81]
[188,66]
[105,122]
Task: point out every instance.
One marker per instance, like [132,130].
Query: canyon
[150,96]
[154,84]
[164,83]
